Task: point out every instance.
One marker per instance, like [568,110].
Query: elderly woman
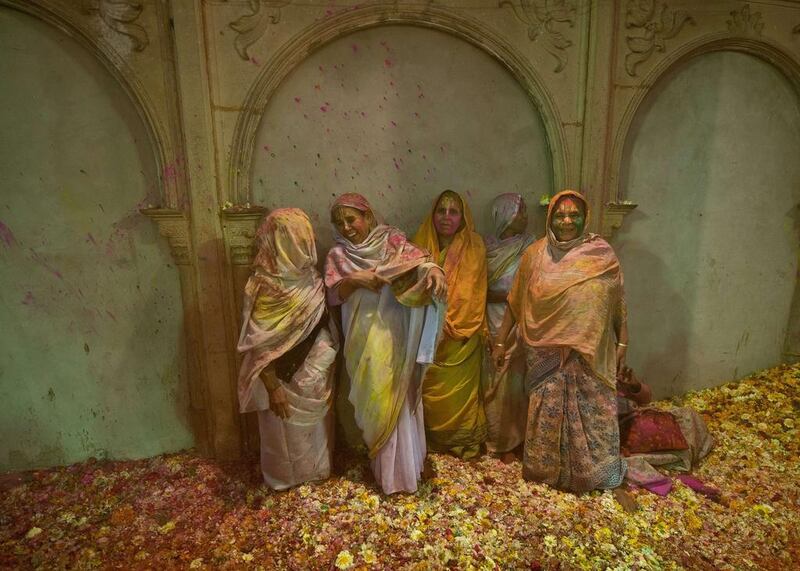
[504,389]
[454,418]
[568,301]
[385,286]
[289,351]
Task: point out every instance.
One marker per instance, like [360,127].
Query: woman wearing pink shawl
[289,352]
[504,389]
[568,301]
[384,284]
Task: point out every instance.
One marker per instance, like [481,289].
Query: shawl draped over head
[382,329]
[570,295]
[385,250]
[503,255]
[284,299]
[465,270]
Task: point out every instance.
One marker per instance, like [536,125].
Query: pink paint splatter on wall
[393,123]
[28,299]
[7,236]
[354,47]
[388,63]
[37,257]
[297,100]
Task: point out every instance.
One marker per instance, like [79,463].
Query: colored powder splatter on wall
[7,236]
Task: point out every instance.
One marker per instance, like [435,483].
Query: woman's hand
[367,279]
[499,356]
[436,284]
[621,351]
[278,403]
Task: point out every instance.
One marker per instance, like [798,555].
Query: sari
[455,421]
[285,328]
[505,402]
[389,338]
[568,299]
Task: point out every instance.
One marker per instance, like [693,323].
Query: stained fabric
[570,295]
[464,264]
[505,402]
[451,392]
[572,440]
[383,331]
[284,305]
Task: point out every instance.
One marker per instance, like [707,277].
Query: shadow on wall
[710,265]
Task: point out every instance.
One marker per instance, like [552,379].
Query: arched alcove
[91,358]
[399,113]
[710,255]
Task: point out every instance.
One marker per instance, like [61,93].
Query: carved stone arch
[761,48]
[66,21]
[295,51]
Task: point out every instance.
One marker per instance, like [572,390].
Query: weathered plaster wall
[91,358]
[399,113]
[711,253]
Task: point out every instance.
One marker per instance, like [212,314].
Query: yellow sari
[453,408]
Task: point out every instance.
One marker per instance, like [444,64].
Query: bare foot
[625,500]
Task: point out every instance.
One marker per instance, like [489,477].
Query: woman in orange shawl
[568,301]
[454,418]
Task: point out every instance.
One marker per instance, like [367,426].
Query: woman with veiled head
[289,351]
[451,393]
[568,303]
[385,286]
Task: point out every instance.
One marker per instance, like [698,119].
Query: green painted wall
[400,113]
[91,358]
[711,253]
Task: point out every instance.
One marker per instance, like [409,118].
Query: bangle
[622,344]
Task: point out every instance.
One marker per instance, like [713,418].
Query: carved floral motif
[120,16]
[250,27]
[543,18]
[743,22]
[650,22]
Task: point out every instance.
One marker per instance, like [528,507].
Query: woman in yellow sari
[454,418]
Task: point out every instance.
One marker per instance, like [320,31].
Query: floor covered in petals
[183,511]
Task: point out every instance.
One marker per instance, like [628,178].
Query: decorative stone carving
[250,27]
[650,23]
[745,23]
[174,226]
[542,18]
[120,15]
[613,216]
[239,225]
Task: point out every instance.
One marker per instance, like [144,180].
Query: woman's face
[447,216]
[568,219]
[352,223]
[520,222]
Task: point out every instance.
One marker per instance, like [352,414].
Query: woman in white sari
[384,284]
[289,353]
[504,390]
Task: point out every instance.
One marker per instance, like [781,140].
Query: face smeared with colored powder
[352,223]
[568,219]
[447,216]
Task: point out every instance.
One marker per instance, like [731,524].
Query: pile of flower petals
[182,511]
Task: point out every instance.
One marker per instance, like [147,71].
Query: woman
[568,300]
[384,285]
[289,350]
[454,418]
[504,389]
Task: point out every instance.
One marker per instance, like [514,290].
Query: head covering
[570,295]
[504,209]
[551,237]
[284,298]
[385,250]
[503,255]
[465,269]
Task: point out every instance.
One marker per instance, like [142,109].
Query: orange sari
[453,408]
